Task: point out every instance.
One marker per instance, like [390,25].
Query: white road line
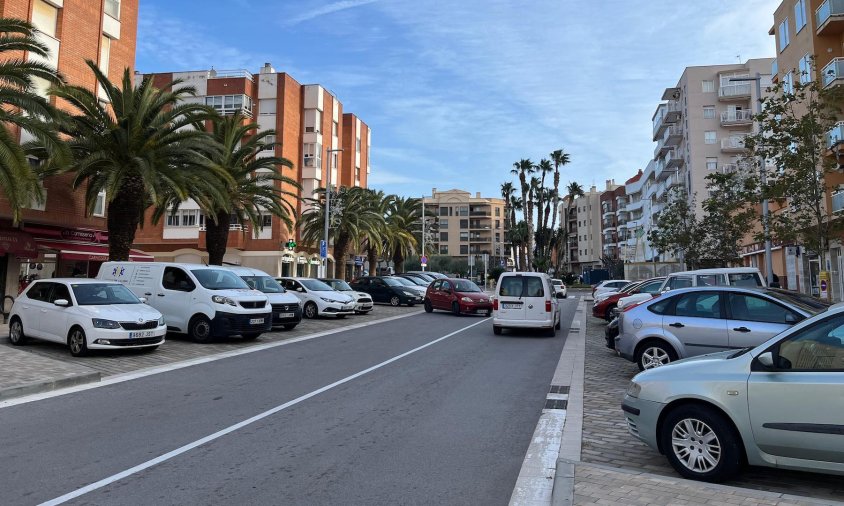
[120,378]
[199,442]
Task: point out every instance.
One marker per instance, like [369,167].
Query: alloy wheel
[696,445]
[654,356]
[16,332]
[77,342]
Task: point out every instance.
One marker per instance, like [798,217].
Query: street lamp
[769,267]
[328,211]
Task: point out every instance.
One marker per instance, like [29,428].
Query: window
[60,291]
[756,309]
[464,249]
[711,163]
[709,280]
[464,236]
[709,112]
[819,347]
[651,287]
[708,86]
[100,204]
[267,220]
[45,18]
[679,282]
[313,155]
[176,279]
[698,305]
[334,129]
[443,235]
[313,121]
[266,106]
[185,218]
[783,34]
[799,15]
[443,223]
[105,52]
[497,211]
[112,8]
[805,68]
[357,145]
[445,211]
[463,210]
[710,137]
[464,223]
[788,83]
[228,104]
[443,249]
[39,291]
[747,279]
[497,223]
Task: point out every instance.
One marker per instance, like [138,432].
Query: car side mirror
[790,318]
[300,289]
[766,359]
[143,300]
[61,302]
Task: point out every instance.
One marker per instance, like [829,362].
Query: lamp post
[769,267]
[328,211]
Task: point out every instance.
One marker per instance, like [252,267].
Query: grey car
[780,404]
[694,321]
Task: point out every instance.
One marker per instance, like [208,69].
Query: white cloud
[326,9]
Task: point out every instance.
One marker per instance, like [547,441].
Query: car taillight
[547,306]
[495,304]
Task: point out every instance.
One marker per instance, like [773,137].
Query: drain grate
[556,404]
[558,389]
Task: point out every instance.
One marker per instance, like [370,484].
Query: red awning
[17,243]
[90,252]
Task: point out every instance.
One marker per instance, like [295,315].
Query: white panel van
[526,300]
[201,301]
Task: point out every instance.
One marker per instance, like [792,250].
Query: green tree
[22,109]
[523,168]
[678,231]
[508,192]
[144,147]
[403,214]
[560,158]
[374,241]
[519,238]
[728,215]
[255,186]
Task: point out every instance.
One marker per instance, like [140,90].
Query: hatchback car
[694,321]
[319,299]
[460,296]
[363,302]
[560,287]
[780,404]
[604,308]
[387,289]
[609,285]
[85,314]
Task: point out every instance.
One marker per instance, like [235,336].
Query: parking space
[607,442]
[179,348]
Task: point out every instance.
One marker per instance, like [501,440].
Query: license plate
[256,321]
[146,333]
[511,306]
[286,315]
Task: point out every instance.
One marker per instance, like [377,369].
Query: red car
[460,296]
[604,308]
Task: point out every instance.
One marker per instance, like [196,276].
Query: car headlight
[634,389]
[409,293]
[100,323]
[219,299]
[161,321]
[326,299]
[466,299]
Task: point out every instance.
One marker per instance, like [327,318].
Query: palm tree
[402,216]
[544,167]
[256,187]
[507,192]
[516,204]
[373,240]
[351,220]
[519,239]
[560,158]
[145,146]
[523,168]
[21,108]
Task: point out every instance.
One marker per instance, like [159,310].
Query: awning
[19,244]
[90,252]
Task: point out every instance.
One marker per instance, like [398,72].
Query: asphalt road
[402,412]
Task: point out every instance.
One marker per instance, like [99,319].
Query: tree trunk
[372,258]
[398,261]
[124,216]
[556,199]
[341,248]
[522,259]
[217,237]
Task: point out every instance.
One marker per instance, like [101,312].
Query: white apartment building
[583,218]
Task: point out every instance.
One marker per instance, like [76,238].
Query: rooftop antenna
[738,57]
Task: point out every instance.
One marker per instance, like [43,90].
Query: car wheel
[455,308]
[496,330]
[199,329]
[77,342]
[552,332]
[608,315]
[653,354]
[16,335]
[395,301]
[488,313]
[340,316]
[290,326]
[701,444]
[428,307]
[310,311]
[251,335]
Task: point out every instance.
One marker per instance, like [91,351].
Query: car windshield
[101,294]
[464,285]
[392,282]
[630,287]
[405,282]
[557,282]
[340,285]
[264,284]
[315,285]
[219,279]
[809,304]
[416,281]
[427,277]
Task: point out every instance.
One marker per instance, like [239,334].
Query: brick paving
[606,441]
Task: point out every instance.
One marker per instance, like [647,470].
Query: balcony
[829,17]
[837,202]
[665,115]
[835,136]
[608,213]
[733,144]
[774,69]
[226,74]
[730,91]
[737,118]
[673,160]
[833,73]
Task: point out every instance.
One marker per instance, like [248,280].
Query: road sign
[424,260]
[323,250]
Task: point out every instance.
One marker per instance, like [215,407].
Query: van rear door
[511,304]
[537,292]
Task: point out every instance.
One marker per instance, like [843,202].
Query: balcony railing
[733,143]
[738,116]
[828,14]
[837,202]
[833,71]
[734,91]
[218,74]
[836,135]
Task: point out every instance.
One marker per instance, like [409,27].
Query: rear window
[747,279]
[708,280]
[521,286]
[679,282]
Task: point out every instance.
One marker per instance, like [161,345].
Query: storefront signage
[18,244]
[68,234]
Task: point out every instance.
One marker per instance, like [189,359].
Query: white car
[560,287]
[421,290]
[287,308]
[85,314]
[526,300]
[363,301]
[609,285]
[319,299]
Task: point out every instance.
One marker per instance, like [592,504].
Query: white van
[201,301]
[287,310]
[526,300]
[747,277]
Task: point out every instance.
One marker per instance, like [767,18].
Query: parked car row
[734,373]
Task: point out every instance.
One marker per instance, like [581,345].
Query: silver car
[694,321]
[780,404]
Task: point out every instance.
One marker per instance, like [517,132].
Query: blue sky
[456,91]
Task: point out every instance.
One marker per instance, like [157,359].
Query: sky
[456,91]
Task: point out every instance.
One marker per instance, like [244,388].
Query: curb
[49,385]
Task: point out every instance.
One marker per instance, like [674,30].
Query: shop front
[16,248]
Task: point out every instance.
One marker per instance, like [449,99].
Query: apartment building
[807,31]
[59,237]
[324,143]
[583,219]
[613,221]
[469,225]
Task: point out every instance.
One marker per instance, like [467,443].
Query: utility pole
[423,232]
[330,152]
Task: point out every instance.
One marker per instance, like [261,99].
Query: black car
[611,332]
[386,289]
